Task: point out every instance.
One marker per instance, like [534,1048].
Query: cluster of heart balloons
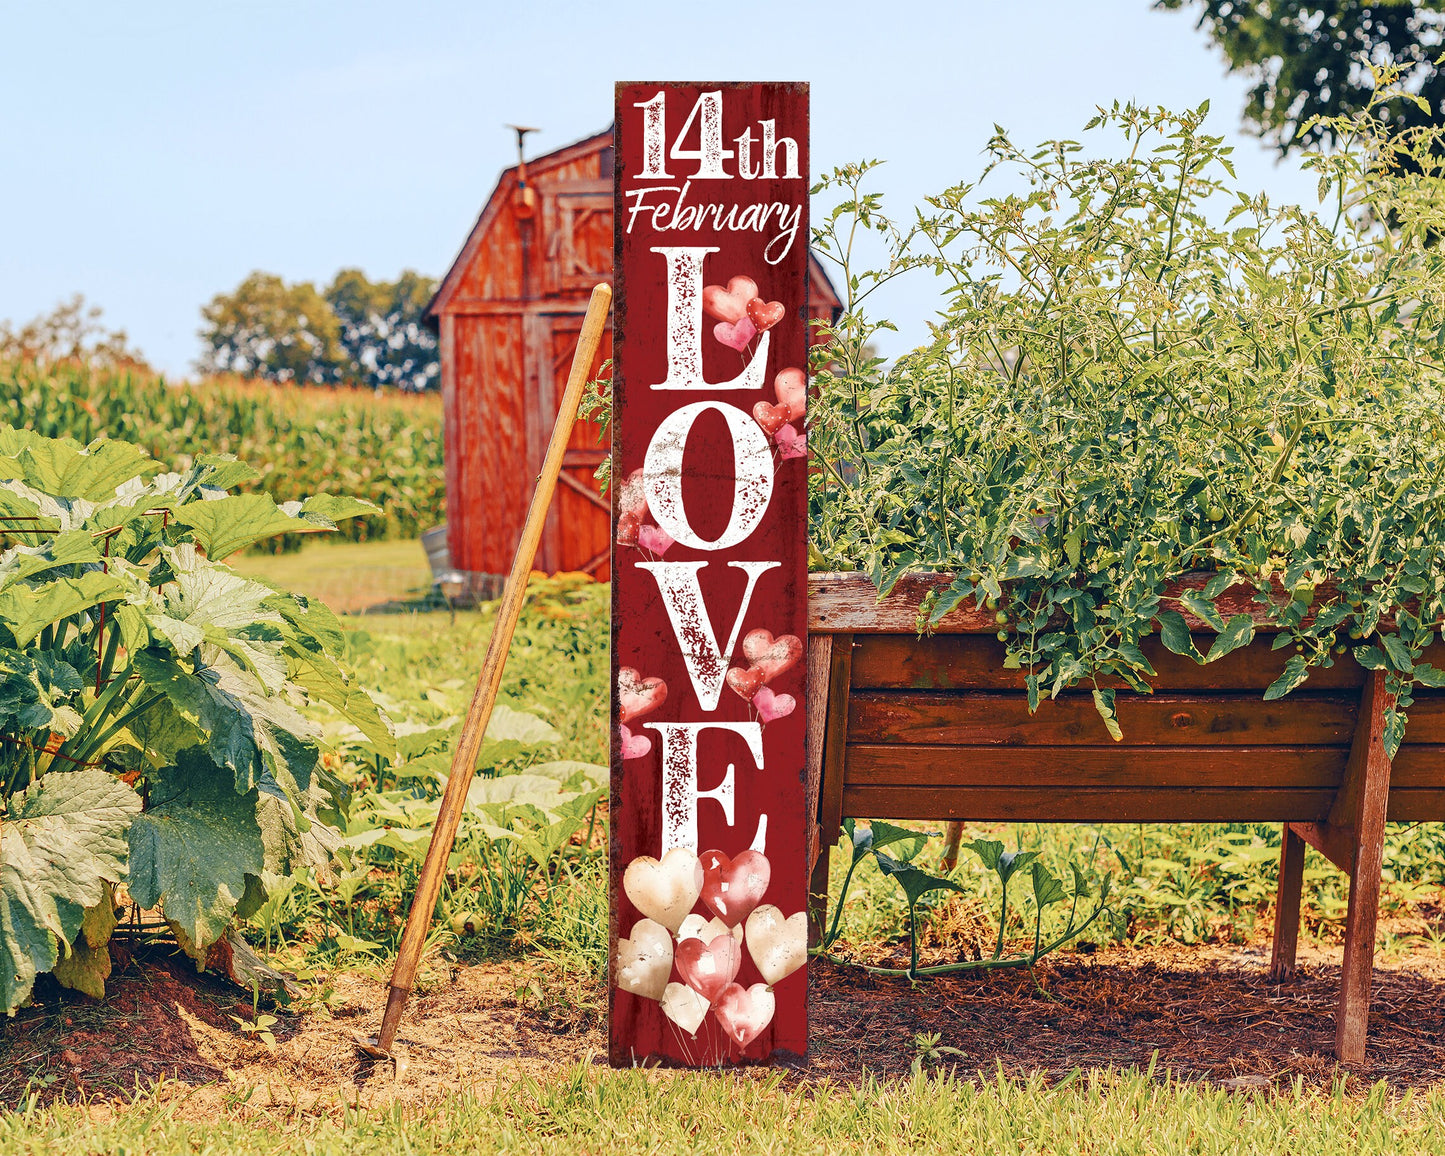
[741,315]
[739,312]
[790,387]
[633,528]
[706,951]
[767,658]
[637,696]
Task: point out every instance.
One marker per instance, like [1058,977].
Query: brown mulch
[1208,1012]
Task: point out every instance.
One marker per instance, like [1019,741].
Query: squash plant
[151,728]
[1139,370]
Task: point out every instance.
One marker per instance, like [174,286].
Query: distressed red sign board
[709,594]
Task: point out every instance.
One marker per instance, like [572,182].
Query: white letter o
[752,475]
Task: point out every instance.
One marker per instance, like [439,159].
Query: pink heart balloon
[744,1012]
[791,389]
[771,656]
[735,334]
[654,538]
[632,496]
[730,304]
[637,695]
[733,887]
[773,706]
[634,746]
[707,968]
[791,443]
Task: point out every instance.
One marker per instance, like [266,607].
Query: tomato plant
[1138,370]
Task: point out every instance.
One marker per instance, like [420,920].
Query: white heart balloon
[644,961]
[745,1011]
[684,1007]
[699,927]
[778,946]
[665,890]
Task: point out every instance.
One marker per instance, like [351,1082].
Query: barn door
[578,534]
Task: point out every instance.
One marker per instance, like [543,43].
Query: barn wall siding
[506,347]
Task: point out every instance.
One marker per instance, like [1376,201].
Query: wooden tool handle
[464,756]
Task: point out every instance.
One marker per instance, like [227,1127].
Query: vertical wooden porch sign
[709,595]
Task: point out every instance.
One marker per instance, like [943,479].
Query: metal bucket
[438,556]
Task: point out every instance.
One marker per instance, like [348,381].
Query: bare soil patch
[1209,1013]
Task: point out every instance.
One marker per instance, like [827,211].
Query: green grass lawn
[586,1110]
[347,576]
[1185,883]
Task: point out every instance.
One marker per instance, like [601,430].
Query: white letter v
[682,595]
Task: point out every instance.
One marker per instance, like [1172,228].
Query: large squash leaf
[64,840]
[64,466]
[325,510]
[25,611]
[34,689]
[87,966]
[191,851]
[74,547]
[246,731]
[229,524]
[510,725]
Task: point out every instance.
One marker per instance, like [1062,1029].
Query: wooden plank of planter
[849,602]
[1061,768]
[975,662]
[1411,806]
[1148,720]
[1418,766]
[1090,804]
[1426,722]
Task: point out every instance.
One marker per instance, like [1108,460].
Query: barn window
[605,164]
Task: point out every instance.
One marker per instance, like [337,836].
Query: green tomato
[1002,635]
[1001,618]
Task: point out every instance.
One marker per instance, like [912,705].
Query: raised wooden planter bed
[902,727]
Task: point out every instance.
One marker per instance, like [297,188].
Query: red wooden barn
[508,313]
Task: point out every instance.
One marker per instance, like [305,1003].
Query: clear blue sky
[158,152]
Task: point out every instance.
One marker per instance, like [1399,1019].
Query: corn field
[386,448]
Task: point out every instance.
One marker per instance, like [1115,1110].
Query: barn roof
[818,280]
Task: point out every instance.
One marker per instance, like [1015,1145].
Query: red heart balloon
[744,1012]
[628,526]
[745,682]
[771,655]
[771,417]
[632,496]
[791,388]
[637,695]
[730,304]
[708,968]
[733,887]
[765,314]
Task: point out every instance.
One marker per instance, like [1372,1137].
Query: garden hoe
[464,757]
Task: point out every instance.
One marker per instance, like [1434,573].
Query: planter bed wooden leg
[1366,793]
[820,652]
[1287,905]
[830,673]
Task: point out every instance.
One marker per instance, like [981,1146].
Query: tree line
[355,331]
